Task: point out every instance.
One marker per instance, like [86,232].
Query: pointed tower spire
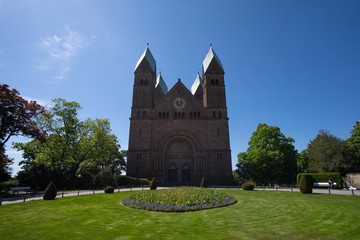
[149,58]
[211,58]
[197,83]
[160,84]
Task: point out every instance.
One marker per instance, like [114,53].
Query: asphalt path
[19,198]
[31,197]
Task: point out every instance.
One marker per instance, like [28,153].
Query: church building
[179,135]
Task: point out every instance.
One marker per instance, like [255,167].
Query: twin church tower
[177,135]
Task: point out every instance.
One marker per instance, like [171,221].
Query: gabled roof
[161,83]
[149,58]
[196,84]
[211,56]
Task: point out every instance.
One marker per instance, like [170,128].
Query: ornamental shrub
[203,182]
[153,185]
[248,186]
[50,191]
[109,189]
[306,183]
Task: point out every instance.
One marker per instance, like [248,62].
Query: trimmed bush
[306,183]
[153,184]
[50,191]
[203,182]
[323,177]
[248,186]
[109,189]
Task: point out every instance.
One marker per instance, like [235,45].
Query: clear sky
[292,64]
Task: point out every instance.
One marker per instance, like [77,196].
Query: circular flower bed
[178,199]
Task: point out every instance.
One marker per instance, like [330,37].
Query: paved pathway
[317,191]
[31,197]
[26,198]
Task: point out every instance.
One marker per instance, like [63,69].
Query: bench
[18,189]
[323,184]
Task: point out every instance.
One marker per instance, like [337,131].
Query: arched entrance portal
[179,159]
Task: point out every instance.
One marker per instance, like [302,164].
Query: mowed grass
[257,215]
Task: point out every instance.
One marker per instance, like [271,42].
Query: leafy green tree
[243,169]
[270,157]
[17,118]
[353,144]
[302,161]
[328,153]
[75,151]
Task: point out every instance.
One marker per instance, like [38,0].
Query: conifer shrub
[153,184]
[248,186]
[109,189]
[306,183]
[50,191]
[203,182]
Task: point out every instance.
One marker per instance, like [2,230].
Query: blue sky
[292,64]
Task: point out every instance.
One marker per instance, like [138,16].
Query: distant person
[330,182]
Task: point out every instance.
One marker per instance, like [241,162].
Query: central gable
[179,98]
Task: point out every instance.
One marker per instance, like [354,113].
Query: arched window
[214,114]
[219,114]
[212,82]
[217,82]
[144,114]
[138,114]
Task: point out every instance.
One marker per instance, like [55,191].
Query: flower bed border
[179,208]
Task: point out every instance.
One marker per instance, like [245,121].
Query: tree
[328,153]
[353,144]
[75,151]
[302,161]
[243,169]
[18,117]
[270,157]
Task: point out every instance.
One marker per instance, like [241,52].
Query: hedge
[131,181]
[323,177]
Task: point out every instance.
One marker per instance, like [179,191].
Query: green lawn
[257,215]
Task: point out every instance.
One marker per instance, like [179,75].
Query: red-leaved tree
[18,118]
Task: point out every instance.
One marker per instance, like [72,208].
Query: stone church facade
[179,135]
